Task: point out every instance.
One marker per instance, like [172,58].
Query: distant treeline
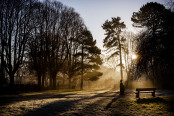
[45,38]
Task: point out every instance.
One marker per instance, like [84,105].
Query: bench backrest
[145,89]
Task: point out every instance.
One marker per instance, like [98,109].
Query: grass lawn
[148,106]
[86,102]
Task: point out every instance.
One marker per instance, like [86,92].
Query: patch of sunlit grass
[54,92]
[21,107]
[60,91]
[145,106]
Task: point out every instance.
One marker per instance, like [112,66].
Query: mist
[109,80]
[142,82]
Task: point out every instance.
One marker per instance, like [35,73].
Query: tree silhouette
[51,46]
[58,39]
[155,44]
[15,31]
[113,40]
[48,36]
[89,54]
[74,26]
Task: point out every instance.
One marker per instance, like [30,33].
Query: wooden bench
[145,90]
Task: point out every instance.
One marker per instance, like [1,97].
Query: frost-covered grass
[163,106]
[88,102]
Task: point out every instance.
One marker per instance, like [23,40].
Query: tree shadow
[119,106]
[113,100]
[98,107]
[65,106]
[171,105]
[10,100]
[53,108]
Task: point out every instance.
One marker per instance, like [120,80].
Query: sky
[96,12]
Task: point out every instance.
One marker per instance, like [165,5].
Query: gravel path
[88,103]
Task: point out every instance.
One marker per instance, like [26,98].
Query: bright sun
[134,56]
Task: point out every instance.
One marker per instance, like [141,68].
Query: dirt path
[98,103]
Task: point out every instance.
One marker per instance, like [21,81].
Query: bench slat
[145,89]
[147,92]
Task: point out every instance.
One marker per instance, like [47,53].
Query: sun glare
[134,56]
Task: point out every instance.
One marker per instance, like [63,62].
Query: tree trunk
[2,76]
[81,86]
[43,79]
[69,83]
[121,72]
[2,73]
[121,67]
[54,80]
[11,79]
[39,79]
[51,82]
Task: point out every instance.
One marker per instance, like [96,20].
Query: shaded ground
[100,103]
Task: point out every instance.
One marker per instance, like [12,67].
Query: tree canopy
[155,44]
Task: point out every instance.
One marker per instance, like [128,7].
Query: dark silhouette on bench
[145,90]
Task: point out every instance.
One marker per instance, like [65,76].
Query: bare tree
[75,25]
[16,30]
[38,43]
[52,45]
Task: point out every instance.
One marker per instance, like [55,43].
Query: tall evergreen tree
[114,42]
[89,54]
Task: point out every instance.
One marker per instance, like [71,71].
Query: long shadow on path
[113,100]
[58,107]
[10,100]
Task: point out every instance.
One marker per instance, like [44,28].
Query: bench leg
[137,95]
[153,94]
